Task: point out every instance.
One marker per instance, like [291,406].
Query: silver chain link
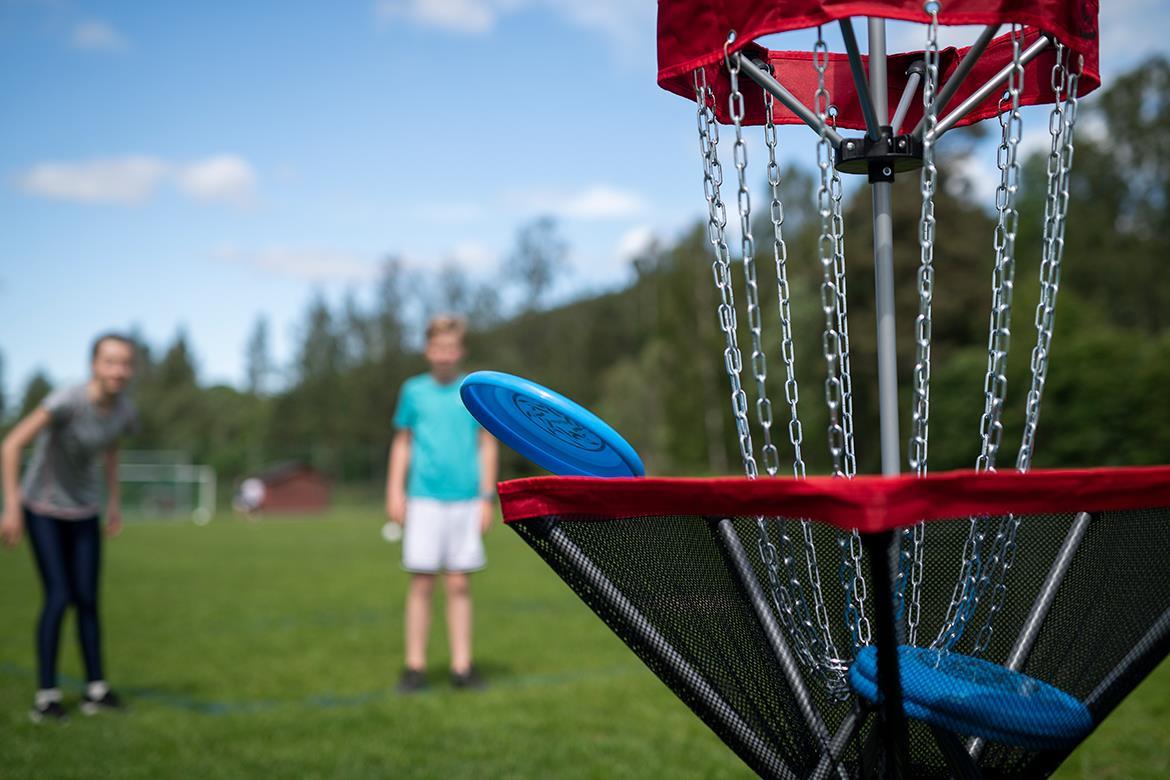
[792,395]
[835,345]
[1062,120]
[721,265]
[912,550]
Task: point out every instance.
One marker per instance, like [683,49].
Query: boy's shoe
[101,701]
[412,681]
[468,681]
[48,711]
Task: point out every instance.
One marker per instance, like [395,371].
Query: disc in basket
[555,433]
[978,698]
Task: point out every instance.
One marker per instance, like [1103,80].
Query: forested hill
[649,357]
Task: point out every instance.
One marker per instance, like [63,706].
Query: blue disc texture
[974,697]
[555,433]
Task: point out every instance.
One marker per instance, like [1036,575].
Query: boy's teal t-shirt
[444,451]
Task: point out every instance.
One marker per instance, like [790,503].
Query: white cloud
[470,17]
[596,202]
[225,178]
[635,241]
[627,23]
[125,180]
[473,256]
[96,35]
[305,264]
[136,179]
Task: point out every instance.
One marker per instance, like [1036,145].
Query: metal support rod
[962,766]
[883,261]
[955,81]
[734,551]
[767,82]
[664,653]
[845,734]
[872,123]
[981,94]
[912,82]
[1147,653]
[1027,638]
[1022,648]
[881,548]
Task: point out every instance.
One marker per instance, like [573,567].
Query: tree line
[648,357]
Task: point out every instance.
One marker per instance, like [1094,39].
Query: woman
[57,503]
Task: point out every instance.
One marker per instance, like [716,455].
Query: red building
[294,488]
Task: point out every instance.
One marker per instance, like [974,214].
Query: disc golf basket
[963,624]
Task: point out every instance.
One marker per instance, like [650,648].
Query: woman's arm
[113,493]
[489,460]
[12,523]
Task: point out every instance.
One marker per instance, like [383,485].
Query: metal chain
[1062,120]
[835,344]
[783,293]
[792,394]
[721,265]
[911,556]
[1003,276]
[735,106]
[1060,126]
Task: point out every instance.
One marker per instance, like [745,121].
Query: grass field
[271,649]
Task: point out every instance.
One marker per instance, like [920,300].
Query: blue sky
[167,165]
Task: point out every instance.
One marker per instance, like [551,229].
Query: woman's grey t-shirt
[63,478]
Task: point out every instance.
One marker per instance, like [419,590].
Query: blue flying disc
[974,697]
[550,430]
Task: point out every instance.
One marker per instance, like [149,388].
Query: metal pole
[664,653]
[895,738]
[767,82]
[965,65]
[845,734]
[1027,637]
[981,94]
[872,122]
[883,257]
[733,549]
[912,82]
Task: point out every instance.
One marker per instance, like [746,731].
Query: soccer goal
[166,484]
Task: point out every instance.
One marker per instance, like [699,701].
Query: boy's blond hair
[445,324]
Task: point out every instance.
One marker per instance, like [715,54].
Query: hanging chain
[835,344]
[818,651]
[784,296]
[791,389]
[721,265]
[911,555]
[1062,120]
[1060,126]
[1003,276]
[759,364]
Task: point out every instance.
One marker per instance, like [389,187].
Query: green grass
[272,649]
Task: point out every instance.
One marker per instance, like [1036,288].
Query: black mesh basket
[1044,647]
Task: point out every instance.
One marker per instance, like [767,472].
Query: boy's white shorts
[442,536]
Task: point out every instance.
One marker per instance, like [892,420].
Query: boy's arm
[12,522]
[113,493]
[489,460]
[396,476]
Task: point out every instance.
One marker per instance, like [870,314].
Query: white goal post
[164,483]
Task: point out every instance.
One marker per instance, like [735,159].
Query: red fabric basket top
[867,504]
[691,34]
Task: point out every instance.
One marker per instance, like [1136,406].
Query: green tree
[35,391]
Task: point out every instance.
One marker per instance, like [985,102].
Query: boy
[441,484]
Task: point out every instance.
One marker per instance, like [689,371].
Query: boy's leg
[459,621]
[418,620]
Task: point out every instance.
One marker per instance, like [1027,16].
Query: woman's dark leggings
[68,554]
